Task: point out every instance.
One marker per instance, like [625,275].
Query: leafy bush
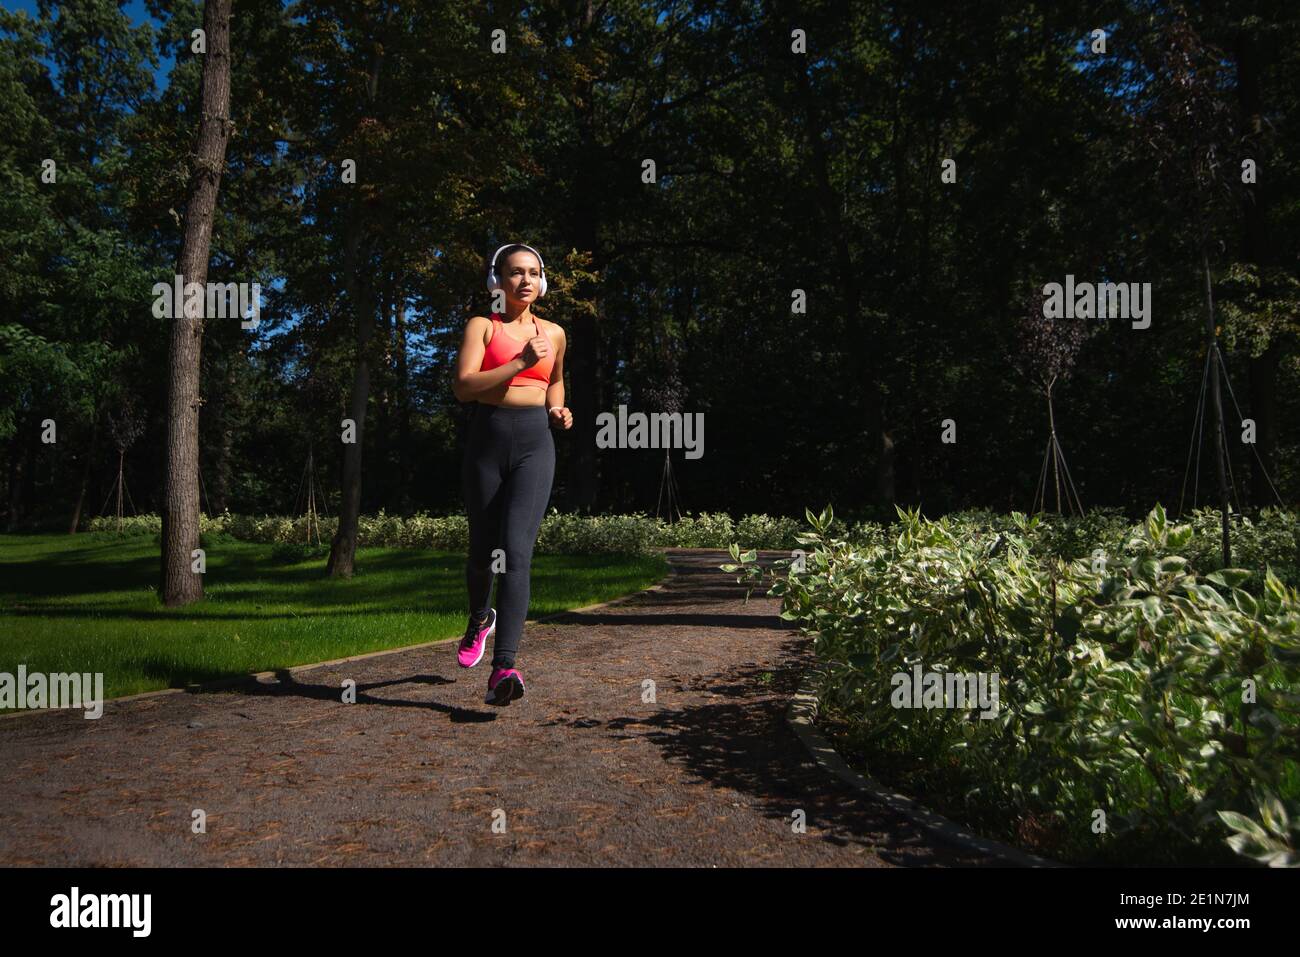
[132,525]
[1158,695]
[560,533]
[765,531]
[1271,538]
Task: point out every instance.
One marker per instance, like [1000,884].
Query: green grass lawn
[88,603]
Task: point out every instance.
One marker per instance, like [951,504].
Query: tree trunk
[1263,406]
[17,474]
[343,547]
[180,512]
[584,361]
[1256,249]
[404,478]
[585,393]
[1216,408]
[850,284]
[382,385]
[121,486]
[85,473]
[885,486]
[219,499]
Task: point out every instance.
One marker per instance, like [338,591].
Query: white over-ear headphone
[494,281]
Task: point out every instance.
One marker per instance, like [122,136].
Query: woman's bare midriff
[514,396]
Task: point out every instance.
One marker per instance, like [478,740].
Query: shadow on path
[652,733]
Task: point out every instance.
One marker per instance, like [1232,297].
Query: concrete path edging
[802,715]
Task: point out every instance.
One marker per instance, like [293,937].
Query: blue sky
[135,10]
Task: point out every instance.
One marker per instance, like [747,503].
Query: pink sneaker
[504,686]
[471,647]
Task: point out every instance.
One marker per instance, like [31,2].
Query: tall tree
[180,513]
[361,297]
[1191,125]
[70,275]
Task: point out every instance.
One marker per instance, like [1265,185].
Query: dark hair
[508,252]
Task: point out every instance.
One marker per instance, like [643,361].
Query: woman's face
[522,280]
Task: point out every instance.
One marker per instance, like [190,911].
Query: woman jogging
[512,368]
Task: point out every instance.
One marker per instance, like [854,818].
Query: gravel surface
[581,771]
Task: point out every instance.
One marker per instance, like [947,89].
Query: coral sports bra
[501,348]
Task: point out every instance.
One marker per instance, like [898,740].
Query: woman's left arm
[560,417]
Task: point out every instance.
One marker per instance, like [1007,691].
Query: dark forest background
[775,171]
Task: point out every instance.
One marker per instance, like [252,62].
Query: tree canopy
[818,224]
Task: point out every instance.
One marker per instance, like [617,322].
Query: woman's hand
[561,418]
[535,350]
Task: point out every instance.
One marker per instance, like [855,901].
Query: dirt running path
[583,772]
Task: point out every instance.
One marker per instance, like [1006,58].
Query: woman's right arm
[469,381]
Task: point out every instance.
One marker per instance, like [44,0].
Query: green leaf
[1156,524]
[1245,603]
[1229,577]
[1272,813]
[1274,585]
[1244,825]
[1151,609]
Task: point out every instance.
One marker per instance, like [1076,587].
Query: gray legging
[506,480]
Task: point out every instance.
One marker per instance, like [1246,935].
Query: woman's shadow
[286,684]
